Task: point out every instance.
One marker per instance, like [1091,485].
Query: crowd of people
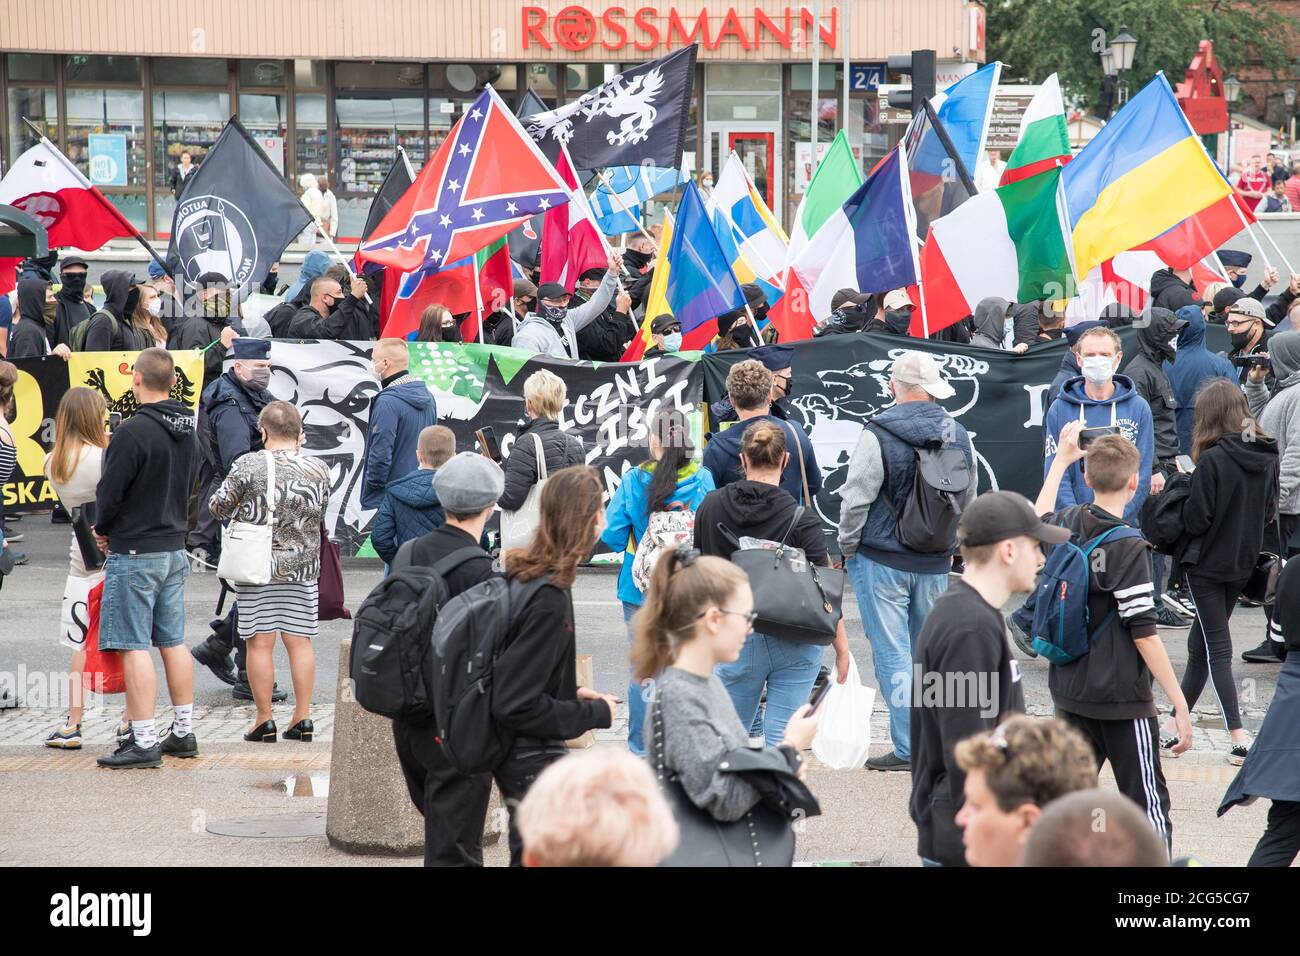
[720,686]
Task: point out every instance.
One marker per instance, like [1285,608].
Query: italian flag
[836,178]
[1012,243]
[1044,142]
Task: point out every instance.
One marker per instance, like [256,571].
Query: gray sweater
[1280,419]
[700,727]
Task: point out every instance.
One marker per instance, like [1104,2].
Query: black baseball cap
[998,515]
[663,323]
[552,290]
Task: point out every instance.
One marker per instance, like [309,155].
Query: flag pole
[134,231]
[478,298]
[1246,226]
[1276,248]
[622,205]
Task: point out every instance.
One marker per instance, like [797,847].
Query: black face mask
[760,313]
[636,260]
[73,285]
[898,321]
[553,313]
[743,335]
[1239,340]
[334,306]
[132,300]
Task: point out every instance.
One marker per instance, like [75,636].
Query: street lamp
[1231,93]
[1107,62]
[1122,50]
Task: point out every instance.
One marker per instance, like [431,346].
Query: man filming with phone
[1102,402]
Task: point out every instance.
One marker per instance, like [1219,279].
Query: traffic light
[921,65]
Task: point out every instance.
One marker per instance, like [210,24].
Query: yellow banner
[109,373]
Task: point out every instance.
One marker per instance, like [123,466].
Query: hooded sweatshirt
[1191,368]
[410,510]
[149,470]
[27,338]
[1147,371]
[1170,292]
[990,322]
[756,510]
[112,328]
[1281,416]
[401,410]
[1231,500]
[560,339]
[73,309]
[1126,409]
[1069,369]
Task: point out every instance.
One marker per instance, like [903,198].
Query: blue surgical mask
[1240,281]
[673,342]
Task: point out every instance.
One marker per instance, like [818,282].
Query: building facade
[335,86]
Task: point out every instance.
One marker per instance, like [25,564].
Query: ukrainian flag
[1145,172]
[656,303]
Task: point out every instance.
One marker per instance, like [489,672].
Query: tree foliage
[1035,38]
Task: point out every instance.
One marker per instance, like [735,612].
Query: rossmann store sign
[658,29]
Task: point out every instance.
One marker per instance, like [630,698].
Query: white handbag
[246,547]
[518,527]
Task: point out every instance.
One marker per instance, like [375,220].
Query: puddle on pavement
[298,785]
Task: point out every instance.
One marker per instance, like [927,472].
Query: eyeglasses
[1239,321]
[750,616]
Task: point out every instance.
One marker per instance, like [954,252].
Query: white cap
[918,369]
[897,300]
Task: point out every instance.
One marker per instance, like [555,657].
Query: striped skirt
[287,606]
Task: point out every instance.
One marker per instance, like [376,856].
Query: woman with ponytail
[757,507]
[697,616]
[671,480]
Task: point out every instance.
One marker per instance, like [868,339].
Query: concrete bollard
[370,810]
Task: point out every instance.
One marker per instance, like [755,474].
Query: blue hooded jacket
[1192,367]
[627,516]
[410,509]
[313,264]
[1126,409]
[397,416]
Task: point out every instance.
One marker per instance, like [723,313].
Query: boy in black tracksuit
[965,638]
[1107,693]
[454,804]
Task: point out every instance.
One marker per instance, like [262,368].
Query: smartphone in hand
[487,443]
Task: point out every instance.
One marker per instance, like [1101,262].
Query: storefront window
[743,107]
[261,73]
[309,74]
[263,115]
[31,67]
[103,69]
[581,77]
[454,85]
[189,71]
[369,129]
[39,106]
[311,144]
[743,77]
[106,140]
[183,121]
[799,142]
[543,81]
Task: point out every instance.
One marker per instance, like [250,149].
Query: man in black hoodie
[1172,289]
[112,328]
[142,512]
[71,306]
[208,323]
[28,338]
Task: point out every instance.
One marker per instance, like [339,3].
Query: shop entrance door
[758,146]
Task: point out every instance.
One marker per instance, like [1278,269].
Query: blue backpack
[1061,630]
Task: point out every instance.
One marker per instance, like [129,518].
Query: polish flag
[44,184]
[571,243]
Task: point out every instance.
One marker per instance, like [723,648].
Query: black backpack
[1161,517]
[468,638]
[392,667]
[928,521]
[77,337]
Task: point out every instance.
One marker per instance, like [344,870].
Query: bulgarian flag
[1012,243]
[44,184]
[836,178]
[1044,142]
[656,302]
[453,287]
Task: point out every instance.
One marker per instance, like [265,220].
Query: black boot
[242,691]
[214,653]
[1268,652]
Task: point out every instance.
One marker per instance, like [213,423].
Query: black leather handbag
[800,606]
[762,837]
[83,529]
[1262,586]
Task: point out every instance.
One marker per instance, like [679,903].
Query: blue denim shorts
[144,601]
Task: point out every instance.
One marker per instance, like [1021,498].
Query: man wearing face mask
[27,338]
[1100,398]
[322,316]
[356,320]
[777,359]
[227,428]
[639,261]
[112,328]
[403,408]
[208,321]
[898,312]
[500,326]
[851,311]
[553,329]
[71,306]
[1235,263]
[1244,318]
[606,338]
[667,334]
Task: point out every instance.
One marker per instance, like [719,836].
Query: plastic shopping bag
[844,735]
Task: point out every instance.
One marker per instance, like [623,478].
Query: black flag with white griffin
[236,217]
[639,116]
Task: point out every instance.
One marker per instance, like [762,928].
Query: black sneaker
[1166,617]
[1237,756]
[242,691]
[890,761]
[1267,652]
[1167,745]
[1020,638]
[1179,600]
[176,746]
[214,655]
[131,756]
